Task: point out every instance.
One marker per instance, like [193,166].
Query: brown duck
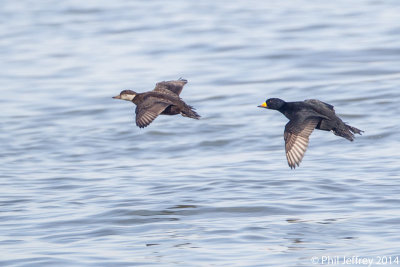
[164,99]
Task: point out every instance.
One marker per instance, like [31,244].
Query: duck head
[272,103]
[127,95]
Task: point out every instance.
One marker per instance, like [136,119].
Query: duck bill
[117,97]
[263,105]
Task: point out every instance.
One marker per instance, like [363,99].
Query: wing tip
[293,162]
[141,126]
[293,166]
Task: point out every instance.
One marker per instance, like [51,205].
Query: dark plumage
[164,99]
[303,118]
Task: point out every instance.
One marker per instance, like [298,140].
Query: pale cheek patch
[128,97]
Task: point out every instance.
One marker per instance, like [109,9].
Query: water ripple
[83,186]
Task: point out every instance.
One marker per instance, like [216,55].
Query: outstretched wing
[170,86]
[147,111]
[296,139]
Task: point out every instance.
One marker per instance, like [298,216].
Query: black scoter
[304,117]
[163,99]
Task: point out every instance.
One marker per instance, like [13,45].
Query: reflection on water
[82,185]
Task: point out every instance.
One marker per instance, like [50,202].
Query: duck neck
[137,99]
[284,110]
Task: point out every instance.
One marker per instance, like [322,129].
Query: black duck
[304,117]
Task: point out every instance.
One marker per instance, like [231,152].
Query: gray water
[81,185]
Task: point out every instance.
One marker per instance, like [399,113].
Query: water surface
[83,186]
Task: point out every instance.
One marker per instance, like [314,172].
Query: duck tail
[190,113]
[355,130]
[347,132]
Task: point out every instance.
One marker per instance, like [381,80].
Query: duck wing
[168,87]
[148,110]
[296,139]
[318,103]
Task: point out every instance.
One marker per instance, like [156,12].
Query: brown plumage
[304,117]
[164,99]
